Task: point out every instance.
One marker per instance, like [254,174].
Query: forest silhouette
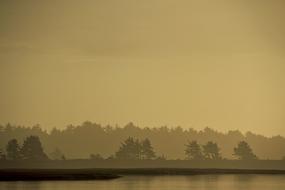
[94,141]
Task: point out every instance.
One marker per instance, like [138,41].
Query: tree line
[78,141]
[130,149]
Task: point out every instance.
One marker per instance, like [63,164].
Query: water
[209,182]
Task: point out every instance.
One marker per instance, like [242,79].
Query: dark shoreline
[189,171]
[53,174]
[108,173]
[136,164]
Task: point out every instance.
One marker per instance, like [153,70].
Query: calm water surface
[209,182]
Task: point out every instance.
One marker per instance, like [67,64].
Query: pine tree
[129,149]
[193,151]
[147,149]
[13,150]
[244,152]
[32,149]
[211,151]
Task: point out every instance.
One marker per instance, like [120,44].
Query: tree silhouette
[130,149]
[211,151]
[244,152]
[193,151]
[81,140]
[135,150]
[13,150]
[147,150]
[32,149]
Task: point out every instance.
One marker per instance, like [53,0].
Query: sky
[192,63]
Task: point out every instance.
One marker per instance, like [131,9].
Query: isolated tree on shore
[32,149]
[147,151]
[13,150]
[244,152]
[130,149]
[193,151]
[211,151]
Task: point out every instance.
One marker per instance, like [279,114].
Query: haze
[154,62]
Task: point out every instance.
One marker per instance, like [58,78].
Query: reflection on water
[209,182]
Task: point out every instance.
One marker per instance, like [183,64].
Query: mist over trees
[91,138]
[57,155]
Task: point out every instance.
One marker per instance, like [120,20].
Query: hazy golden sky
[154,62]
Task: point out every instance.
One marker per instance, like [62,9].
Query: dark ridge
[108,174]
[53,174]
